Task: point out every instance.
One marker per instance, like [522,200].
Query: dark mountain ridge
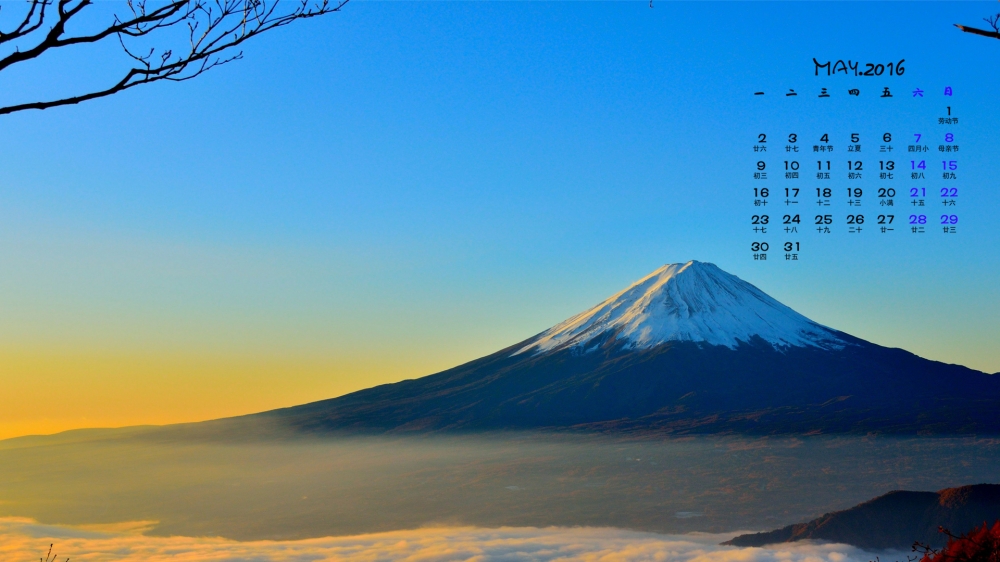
[894,520]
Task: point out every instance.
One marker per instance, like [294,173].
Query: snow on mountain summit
[691,301]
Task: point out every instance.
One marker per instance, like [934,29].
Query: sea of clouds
[25,539]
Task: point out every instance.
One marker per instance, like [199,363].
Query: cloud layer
[24,539]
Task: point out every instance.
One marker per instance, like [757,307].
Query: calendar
[852,154]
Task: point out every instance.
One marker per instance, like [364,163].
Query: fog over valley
[345,486]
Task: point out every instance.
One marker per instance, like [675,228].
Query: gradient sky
[401,187]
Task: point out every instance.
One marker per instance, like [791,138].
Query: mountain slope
[688,348]
[894,520]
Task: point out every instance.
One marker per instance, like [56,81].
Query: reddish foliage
[982,544]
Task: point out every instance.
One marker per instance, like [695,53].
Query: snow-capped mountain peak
[691,301]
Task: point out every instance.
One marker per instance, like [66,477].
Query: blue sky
[404,186]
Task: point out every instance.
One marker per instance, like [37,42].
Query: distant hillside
[894,520]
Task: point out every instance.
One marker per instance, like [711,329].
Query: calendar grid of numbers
[854,158]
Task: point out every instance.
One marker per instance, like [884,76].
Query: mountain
[687,349]
[894,520]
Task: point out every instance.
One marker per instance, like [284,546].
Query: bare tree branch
[994,22]
[977,31]
[214,29]
[30,22]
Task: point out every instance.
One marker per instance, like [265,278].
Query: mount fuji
[687,349]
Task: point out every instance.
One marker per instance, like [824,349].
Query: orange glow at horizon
[48,391]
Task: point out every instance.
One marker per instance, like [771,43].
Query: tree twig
[214,29]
